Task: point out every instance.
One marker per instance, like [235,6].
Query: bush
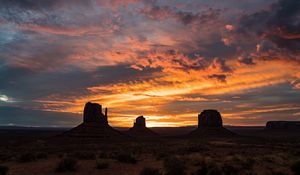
[4,156]
[174,166]
[26,157]
[3,170]
[102,165]
[203,170]
[295,168]
[103,155]
[41,155]
[66,164]
[160,156]
[126,158]
[85,155]
[249,163]
[211,168]
[228,169]
[150,171]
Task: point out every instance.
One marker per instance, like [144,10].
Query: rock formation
[210,124]
[283,125]
[95,124]
[139,129]
[93,113]
[210,118]
[140,122]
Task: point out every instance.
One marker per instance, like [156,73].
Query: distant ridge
[283,125]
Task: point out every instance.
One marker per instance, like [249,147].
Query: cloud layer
[167,60]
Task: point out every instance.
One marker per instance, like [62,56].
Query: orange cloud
[130,99]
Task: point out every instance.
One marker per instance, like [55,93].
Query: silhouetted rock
[210,118]
[95,124]
[210,125]
[140,122]
[139,129]
[283,125]
[93,113]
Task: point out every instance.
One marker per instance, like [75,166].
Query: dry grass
[171,157]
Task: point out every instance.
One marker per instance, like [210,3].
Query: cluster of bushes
[4,156]
[3,170]
[150,171]
[29,157]
[236,166]
[104,155]
[295,168]
[126,158]
[84,155]
[174,166]
[100,164]
[67,164]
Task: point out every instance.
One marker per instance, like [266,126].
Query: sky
[165,59]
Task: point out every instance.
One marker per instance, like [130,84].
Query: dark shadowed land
[253,150]
[95,147]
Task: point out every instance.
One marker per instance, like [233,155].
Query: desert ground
[253,150]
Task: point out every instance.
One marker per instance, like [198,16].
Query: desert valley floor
[253,150]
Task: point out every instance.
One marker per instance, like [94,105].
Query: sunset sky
[165,59]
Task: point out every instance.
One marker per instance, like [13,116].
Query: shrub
[3,170]
[249,163]
[174,166]
[295,168]
[85,155]
[4,156]
[150,171]
[203,170]
[103,155]
[209,168]
[160,156]
[41,155]
[126,158]
[102,165]
[278,173]
[26,157]
[66,164]
[228,169]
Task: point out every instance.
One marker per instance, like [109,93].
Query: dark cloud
[218,77]
[216,48]
[156,12]
[58,17]
[220,64]
[28,4]
[28,117]
[280,24]
[27,85]
[44,4]
[38,53]
[190,64]
[248,60]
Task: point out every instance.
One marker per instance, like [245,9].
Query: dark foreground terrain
[253,151]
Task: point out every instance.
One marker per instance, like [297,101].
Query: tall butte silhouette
[210,123]
[95,124]
[139,129]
